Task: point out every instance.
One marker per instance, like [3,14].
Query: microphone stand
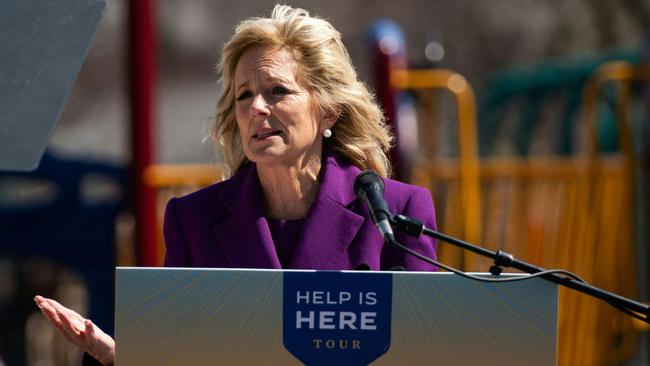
[501,259]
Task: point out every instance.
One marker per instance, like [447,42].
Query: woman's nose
[259,106]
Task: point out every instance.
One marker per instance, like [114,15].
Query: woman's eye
[244,95]
[280,90]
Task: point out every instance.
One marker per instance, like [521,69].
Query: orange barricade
[173,181]
[572,212]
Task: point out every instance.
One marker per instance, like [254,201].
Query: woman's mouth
[265,134]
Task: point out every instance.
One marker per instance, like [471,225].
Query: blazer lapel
[244,235]
[331,225]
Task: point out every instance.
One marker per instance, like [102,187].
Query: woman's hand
[78,330]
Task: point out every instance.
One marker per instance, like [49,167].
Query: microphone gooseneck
[369,187]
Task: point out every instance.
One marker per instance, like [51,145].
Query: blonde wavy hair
[325,70]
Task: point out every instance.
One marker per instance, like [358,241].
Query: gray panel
[42,47]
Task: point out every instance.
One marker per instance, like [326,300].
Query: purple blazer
[223,226]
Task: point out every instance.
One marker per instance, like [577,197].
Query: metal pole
[388,54]
[142,67]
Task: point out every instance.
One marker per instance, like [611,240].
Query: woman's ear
[330,119]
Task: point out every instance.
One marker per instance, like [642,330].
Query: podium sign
[174,316]
[336,318]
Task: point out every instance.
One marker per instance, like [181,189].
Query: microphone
[369,187]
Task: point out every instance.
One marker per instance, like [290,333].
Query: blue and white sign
[337,318]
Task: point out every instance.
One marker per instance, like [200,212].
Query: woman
[296,127]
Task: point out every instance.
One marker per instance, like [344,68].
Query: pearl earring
[327,133]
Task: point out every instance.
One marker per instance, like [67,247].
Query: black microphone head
[369,179]
[369,188]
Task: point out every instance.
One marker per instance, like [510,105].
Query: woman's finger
[90,336]
[71,315]
[48,311]
[63,313]
[70,323]
[49,306]
[90,329]
[62,318]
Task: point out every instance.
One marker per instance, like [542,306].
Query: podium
[176,316]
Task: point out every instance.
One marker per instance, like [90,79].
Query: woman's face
[276,115]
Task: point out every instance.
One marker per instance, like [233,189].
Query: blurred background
[528,120]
